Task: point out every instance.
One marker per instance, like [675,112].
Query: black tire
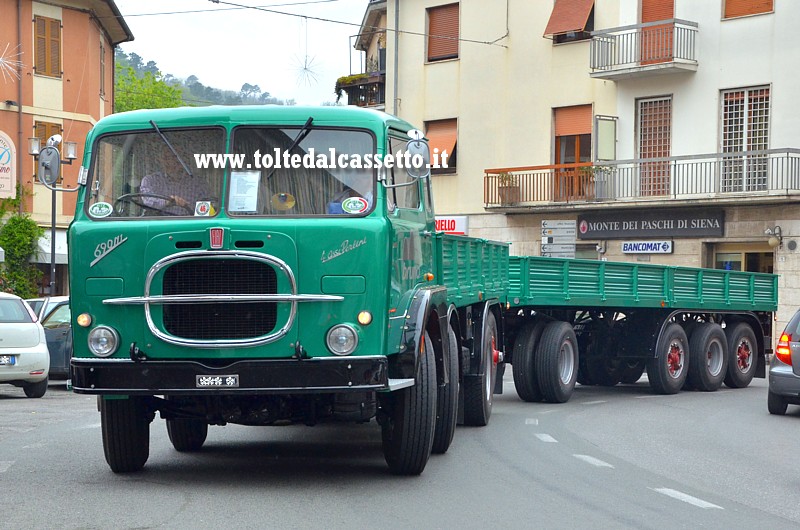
[631,371]
[408,432]
[478,390]
[557,362]
[35,390]
[447,400]
[524,362]
[708,362]
[776,404]
[668,370]
[126,433]
[187,434]
[742,352]
[604,371]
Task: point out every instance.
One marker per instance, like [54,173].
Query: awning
[43,251]
[568,16]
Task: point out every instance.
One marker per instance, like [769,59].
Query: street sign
[559,232]
[559,223]
[559,255]
[558,248]
[559,240]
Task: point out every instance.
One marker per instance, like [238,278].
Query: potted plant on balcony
[508,188]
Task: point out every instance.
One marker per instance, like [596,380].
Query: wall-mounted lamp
[775,236]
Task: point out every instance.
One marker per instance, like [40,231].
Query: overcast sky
[288,56]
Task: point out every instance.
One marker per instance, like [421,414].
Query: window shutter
[573,120]
[741,8]
[568,16]
[443,135]
[54,48]
[443,32]
[40,42]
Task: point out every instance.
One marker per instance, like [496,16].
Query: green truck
[287,270]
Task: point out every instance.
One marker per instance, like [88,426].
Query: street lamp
[49,169]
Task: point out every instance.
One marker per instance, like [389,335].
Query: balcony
[363,90]
[769,176]
[639,50]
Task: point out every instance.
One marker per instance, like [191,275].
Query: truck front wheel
[407,431]
[667,371]
[557,362]
[478,390]
[126,433]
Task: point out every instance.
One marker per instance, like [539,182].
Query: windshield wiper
[300,137]
[174,152]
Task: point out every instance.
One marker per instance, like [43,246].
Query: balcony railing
[714,177]
[370,91]
[644,49]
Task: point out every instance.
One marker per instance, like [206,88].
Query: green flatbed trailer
[273,302]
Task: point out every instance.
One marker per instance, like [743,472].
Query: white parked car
[24,359]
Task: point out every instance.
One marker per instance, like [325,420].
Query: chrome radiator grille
[220,320]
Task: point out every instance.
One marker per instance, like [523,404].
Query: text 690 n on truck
[271,265]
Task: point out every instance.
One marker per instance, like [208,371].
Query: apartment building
[56,77]
[655,131]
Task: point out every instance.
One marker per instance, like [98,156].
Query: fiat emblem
[216,237]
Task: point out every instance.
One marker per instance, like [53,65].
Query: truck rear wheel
[478,390]
[667,371]
[742,355]
[524,362]
[447,400]
[557,362]
[187,434]
[708,363]
[408,431]
[126,433]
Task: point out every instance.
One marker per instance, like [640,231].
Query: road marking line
[4,465]
[652,396]
[546,438]
[593,402]
[594,461]
[531,421]
[700,503]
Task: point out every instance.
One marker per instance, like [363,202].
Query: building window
[573,144]
[102,70]
[743,8]
[443,140]
[47,46]
[745,127]
[654,140]
[44,130]
[443,32]
[571,20]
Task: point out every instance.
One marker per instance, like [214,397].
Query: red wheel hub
[674,361]
[495,352]
[743,354]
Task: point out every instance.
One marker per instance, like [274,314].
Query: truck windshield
[136,174]
[329,172]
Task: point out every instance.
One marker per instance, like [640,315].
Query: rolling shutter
[442,134]
[443,32]
[573,120]
[655,10]
[568,16]
[741,8]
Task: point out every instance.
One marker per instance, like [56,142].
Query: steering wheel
[136,198]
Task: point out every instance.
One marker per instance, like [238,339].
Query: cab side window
[406,196]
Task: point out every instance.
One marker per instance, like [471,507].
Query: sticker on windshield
[355,205]
[100,209]
[202,208]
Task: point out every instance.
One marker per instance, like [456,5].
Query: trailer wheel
[126,433]
[604,371]
[631,371]
[447,400]
[187,434]
[667,371]
[776,404]
[742,353]
[478,390]
[524,362]
[408,432]
[557,362]
[708,363]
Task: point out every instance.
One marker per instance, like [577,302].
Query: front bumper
[274,376]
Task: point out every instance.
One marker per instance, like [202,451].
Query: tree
[146,92]
[18,237]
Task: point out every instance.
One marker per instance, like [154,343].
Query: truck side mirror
[420,158]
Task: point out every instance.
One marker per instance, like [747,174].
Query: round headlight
[103,341]
[342,339]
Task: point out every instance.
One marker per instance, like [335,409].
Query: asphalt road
[610,458]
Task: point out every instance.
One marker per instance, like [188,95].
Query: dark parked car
[58,331]
[784,370]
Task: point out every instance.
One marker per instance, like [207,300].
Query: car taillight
[783,351]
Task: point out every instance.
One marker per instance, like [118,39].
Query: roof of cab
[248,115]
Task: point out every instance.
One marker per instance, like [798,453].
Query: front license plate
[217,381]
[8,359]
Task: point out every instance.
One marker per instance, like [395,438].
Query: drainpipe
[20,145]
[396,43]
